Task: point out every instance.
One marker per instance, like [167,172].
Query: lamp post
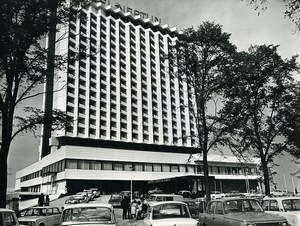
[131,169]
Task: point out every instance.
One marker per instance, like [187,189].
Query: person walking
[124,206]
[41,200]
[47,200]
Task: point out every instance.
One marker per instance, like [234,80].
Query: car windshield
[87,214]
[291,204]
[242,205]
[36,212]
[170,211]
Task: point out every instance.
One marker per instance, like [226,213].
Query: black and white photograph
[149,112]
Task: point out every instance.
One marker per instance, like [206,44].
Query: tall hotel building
[126,105]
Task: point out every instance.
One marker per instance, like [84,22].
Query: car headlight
[251,224]
[284,224]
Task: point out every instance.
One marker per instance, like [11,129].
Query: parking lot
[104,199]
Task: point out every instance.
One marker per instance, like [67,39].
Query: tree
[261,95]
[23,68]
[200,56]
[292,9]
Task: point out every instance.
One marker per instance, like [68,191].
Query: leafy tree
[25,24]
[292,9]
[260,103]
[200,56]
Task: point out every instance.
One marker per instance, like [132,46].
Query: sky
[237,17]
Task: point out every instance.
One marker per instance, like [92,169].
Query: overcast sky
[237,18]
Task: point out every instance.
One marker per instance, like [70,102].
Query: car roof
[6,210]
[224,199]
[42,207]
[167,195]
[166,202]
[81,205]
[280,198]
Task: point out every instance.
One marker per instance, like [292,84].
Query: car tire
[42,224]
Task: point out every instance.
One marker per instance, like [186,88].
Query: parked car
[201,202]
[234,193]
[90,194]
[8,218]
[71,200]
[288,207]
[185,193]
[216,195]
[115,200]
[96,192]
[88,214]
[41,216]
[81,197]
[155,191]
[194,209]
[169,213]
[238,212]
[164,197]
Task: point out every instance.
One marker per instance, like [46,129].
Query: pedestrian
[124,206]
[47,200]
[144,208]
[138,210]
[133,209]
[15,205]
[41,200]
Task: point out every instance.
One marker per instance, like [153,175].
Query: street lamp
[131,169]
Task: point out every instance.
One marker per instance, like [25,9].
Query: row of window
[129,166]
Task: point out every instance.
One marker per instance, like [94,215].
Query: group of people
[135,209]
[43,201]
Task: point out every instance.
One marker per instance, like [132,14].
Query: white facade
[107,164]
[121,87]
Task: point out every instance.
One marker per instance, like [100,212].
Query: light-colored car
[168,213]
[201,202]
[88,214]
[8,218]
[216,195]
[41,216]
[96,192]
[238,212]
[81,197]
[288,207]
[164,197]
[185,193]
[115,200]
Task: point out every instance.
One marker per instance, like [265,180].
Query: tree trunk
[3,177]
[206,176]
[266,177]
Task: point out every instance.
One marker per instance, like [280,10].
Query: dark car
[115,200]
[238,212]
[194,209]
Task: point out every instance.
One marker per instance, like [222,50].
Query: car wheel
[42,224]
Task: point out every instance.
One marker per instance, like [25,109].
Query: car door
[208,218]
[218,219]
[8,219]
[49,217]
[56,215]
